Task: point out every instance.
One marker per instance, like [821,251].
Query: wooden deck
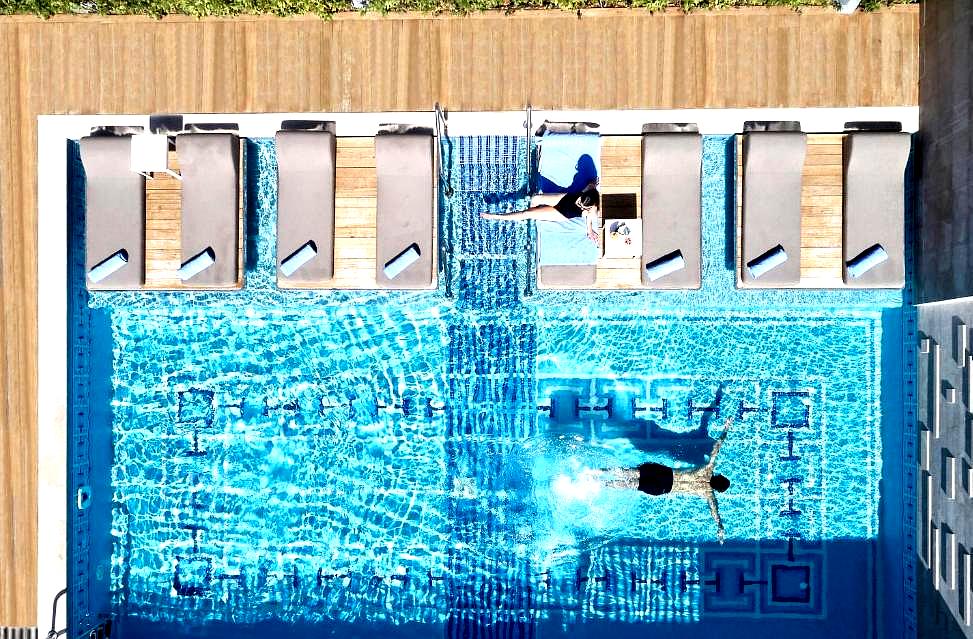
[821,209]
[96,64]
[163,207]
[621,174]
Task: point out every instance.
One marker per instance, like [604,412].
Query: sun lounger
[114,215]
[771,219]
[210,167]
[873,242]
[406,210]
[671,210]
[305,207]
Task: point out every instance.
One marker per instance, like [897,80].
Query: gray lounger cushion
[210,167]
[407,207]
[772,167]
[305,202]
[874,205]
[114,210]
[567,276]
[671,205]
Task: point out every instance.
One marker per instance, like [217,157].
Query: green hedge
[328,7]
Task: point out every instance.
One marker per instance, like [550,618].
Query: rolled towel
[867,260]
[198,263]
[298,258]
[669,263]
[761,264]
[401,261]
[106,267]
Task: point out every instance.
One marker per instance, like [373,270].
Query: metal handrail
[53,633]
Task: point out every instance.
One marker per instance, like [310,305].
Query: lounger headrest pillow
[867,260]
[767,261]
[197,263]
[297,259]
[107,266]
[402,261]
[669,263]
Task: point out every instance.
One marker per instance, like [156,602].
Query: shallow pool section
[421,464]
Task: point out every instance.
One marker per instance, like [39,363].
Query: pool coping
[52,191]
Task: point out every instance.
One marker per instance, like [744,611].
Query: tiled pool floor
[384,458]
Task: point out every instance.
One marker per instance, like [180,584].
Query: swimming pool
[377,463]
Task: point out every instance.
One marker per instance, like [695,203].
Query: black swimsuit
[568,205]
[655,479]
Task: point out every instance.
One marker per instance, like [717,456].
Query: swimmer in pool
[656,479]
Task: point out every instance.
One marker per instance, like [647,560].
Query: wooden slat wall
[821,206]
[631,59]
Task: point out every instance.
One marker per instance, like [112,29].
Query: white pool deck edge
[54,130]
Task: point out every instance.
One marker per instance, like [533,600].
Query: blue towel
[566,243]
[569,161]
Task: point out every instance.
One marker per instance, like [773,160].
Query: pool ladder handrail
[53,633]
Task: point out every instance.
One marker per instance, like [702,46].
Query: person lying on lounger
[556,207]
[656,479]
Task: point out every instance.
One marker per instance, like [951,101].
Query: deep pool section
[403,464]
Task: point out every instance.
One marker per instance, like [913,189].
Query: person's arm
[591,219]
[719,443]
[714,510]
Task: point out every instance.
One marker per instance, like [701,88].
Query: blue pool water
[390,464]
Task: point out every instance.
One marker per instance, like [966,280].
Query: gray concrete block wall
[944,256]
[945,519]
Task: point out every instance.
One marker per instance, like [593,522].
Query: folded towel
[402,261]
[669,263]
[298,258]
[566,243]
[867,260]
[568,161]
[197,264]
[106,267]
[765,262]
